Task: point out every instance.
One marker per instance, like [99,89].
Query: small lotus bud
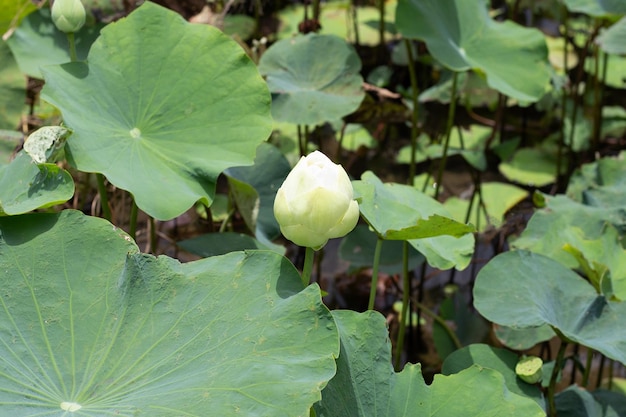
[529,369]
[68,15]
[315,203]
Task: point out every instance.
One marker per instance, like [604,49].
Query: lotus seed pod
[68,15]
[315,203]
[529,369]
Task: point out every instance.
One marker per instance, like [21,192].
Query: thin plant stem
[381,24]
[451,112]
[585,379]
[414,115]
[406,284]
[72,46]
[316,11]
[455,339]
[300,140]
[153,235]
[561,144]
[377,250]
[553,378]
[134,210]
[104,198]
[309,254]
[355,23]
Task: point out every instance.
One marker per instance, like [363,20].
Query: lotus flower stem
[132,228]
[104,199]
[558,364]
[451,112]
[379,245]
[72,46]
[406,293]
[309,254]
[585,379]
[414,116]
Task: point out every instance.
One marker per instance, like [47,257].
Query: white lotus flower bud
[315,203]
[68,15]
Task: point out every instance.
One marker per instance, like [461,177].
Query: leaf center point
[70,406]
[135,133]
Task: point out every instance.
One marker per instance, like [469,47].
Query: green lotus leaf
[564,221]
[12,89]
[530,166]
[498,199]
[596,8]
[522,339]
[612,40]
[358,248]
[264,177]
[401,212]
[92,326]
[161,108]
[523,289]
[313,78]
[213,244]
[461,35]
[26,186]
[575,401]
[500,360]
[37,42]
[366,385]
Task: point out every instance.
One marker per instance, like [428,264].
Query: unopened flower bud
[68,15]
[315,203]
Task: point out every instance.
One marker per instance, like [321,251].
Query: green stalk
[72,47]
[381,24]
[355,23]
[561,144]
[153,235]
[585,380]
[451,112]
[132,229]
[555,373]
[309,254]
[441,321]
[379,245]
[104,199]
[414,115]
[406,284]
[300,140]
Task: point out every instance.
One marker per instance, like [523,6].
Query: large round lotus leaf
[91,326]
[26,186]
[612,40]
[367,386]
[37,42]
[461,35]
[596,8]
[523,289]
[161,107]
[313,78]
[401,212]
[12,89]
